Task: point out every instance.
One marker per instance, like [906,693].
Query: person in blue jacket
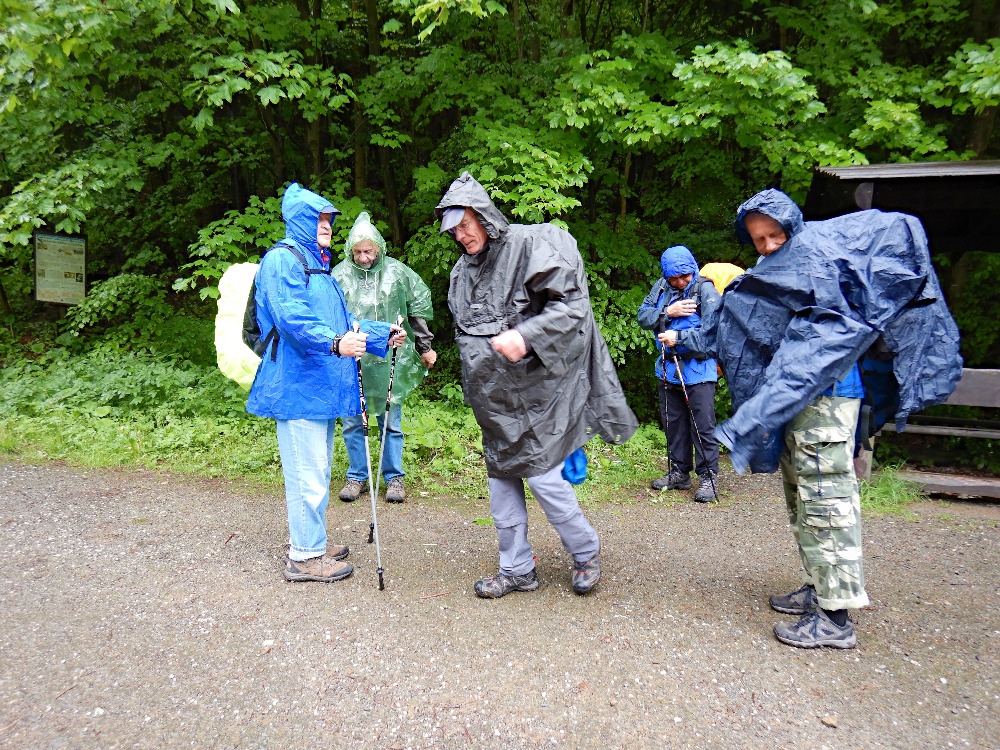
[308,376]
[675,303]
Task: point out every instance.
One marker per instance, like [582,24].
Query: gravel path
[144,610]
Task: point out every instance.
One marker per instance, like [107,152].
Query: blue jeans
[306,447]
[392,459]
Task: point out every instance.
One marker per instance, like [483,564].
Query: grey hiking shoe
[351,491]
[705,492]
[394,491]
[816,629]
[675,480]
[586,575]
[502,584]
[322,569]
[800,602]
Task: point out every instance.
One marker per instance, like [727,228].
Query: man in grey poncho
[536,372]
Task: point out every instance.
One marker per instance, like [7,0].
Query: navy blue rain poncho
[305,380]
[858,288]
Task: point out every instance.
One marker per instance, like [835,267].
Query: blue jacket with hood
[676,261]
[301,378]
[854,290]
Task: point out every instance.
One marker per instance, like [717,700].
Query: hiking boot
[586,575]
[816,629]
[394,492]
[321,569]
[800,602]
[337,551]
[351,491]
[705,492]
[675,480]
[502,584]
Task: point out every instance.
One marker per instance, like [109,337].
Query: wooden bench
[976,388]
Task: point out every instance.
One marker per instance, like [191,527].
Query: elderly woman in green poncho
[378,287]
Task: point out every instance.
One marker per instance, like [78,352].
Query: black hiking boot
[586,575]
[675,480]
[800,602]
[708,485]
[502,584]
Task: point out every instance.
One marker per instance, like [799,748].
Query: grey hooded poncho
[534,413]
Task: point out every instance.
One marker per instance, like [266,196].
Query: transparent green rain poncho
[388,289]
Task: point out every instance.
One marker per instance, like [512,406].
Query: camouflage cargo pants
[824,506]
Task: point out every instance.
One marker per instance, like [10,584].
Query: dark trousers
[681,436]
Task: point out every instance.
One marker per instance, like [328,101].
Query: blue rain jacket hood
[299,377]
[854,289]
[773,203]
[677,261]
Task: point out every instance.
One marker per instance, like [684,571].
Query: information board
[60,268]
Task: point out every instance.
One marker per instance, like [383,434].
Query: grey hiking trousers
[558,500]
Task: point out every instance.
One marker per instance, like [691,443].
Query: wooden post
[863,463]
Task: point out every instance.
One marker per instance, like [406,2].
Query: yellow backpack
[721,274]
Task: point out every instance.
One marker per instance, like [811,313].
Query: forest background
[166,130]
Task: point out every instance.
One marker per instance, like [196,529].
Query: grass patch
[888,492]
[148,411]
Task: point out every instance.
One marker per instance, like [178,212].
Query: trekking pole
[373,529]
[694,423]
[666,413]
[385,418]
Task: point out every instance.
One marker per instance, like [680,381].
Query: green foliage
[238,237]
[975,73]
[165,131]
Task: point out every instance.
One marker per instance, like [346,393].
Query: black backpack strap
[305,266]
[273,335]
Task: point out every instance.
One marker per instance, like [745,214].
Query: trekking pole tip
[381,583]
[371,533]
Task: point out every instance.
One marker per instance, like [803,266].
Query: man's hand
[353,344]
[397,335]
[667,337]
[681,309]
[429,358]
[510,344]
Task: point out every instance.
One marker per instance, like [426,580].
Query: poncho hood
[773,203]
[364,229]
[535,412]
[466,192]
[854,289]
[300,208]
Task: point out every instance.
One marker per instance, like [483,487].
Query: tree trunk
[981,127]
[515,14]
[624,188]
[277,146]
[384,153]
[981,130]
[4,304]
[360,149]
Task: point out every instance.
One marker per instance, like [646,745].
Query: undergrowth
[888,492]
[146,410]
